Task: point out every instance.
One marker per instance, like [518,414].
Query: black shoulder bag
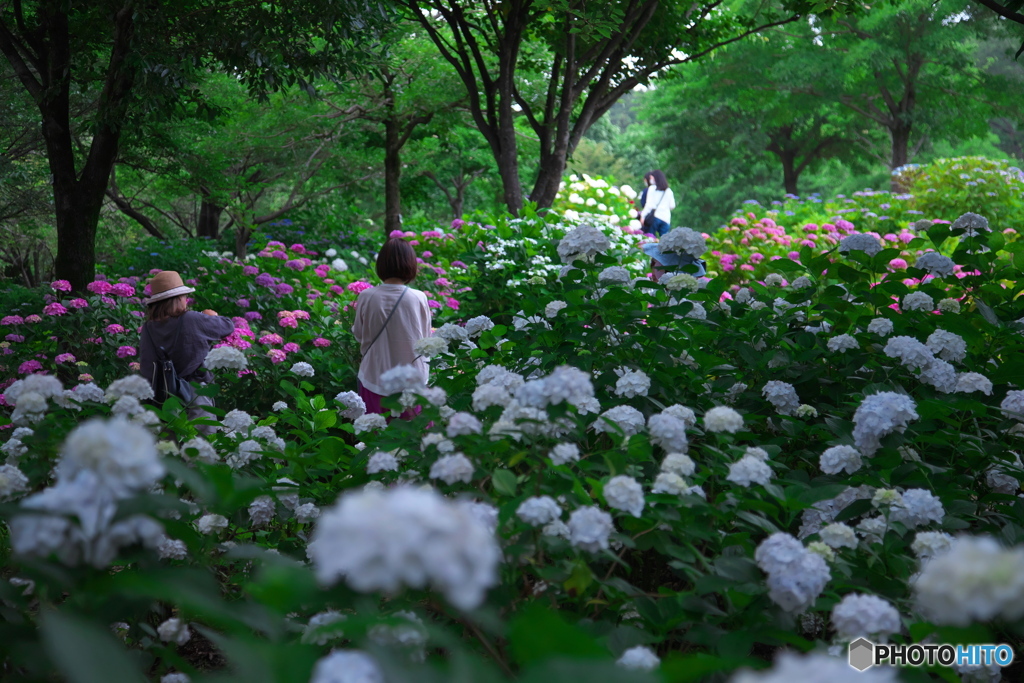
[165,379]
[649,218]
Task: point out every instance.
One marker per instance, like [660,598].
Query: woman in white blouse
[658,203]
[390,318]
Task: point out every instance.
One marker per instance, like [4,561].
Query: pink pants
[373,405]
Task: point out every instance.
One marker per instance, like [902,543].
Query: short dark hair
[660,181]
[397,258]
[167,308]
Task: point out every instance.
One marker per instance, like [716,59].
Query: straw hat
[166,284]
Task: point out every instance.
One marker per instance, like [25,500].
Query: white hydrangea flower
[211,524]
[381,461]
[450,332]
[614,274]
[873,529]
[782,395]
[815,668]
[886,498]
[487,395]
[774,280]
[428,347]
[681,281]
[410,634]
[683,240]
[796,576]
[12,481]
[935,263]
[879,415]
[589,528]
[880,326]
[802,282]
[132,385]
[552,309]
[639,658]
[949,306]
[383,540]
[452,468]
[583,243]
[865,615]
[631,382]
[347,666]
[975,580]
[918,301]
[698,312]
[175,677]
[495,374]
[839,458]
[838,535]
[969,382]
[205,452]
[668,431]
[749,470]
[460,424]
[929,544]
[804,411]
[122,454]
[940,375]
[860,242]
[87,392]
[237,421]
[842,343]
[971,223]
[678,463]
[478,325]
[723,419]
[744,295]
[539,510]
[369,422]
[262,511]
[682,413]
[917,507]
[628,419]
[174,631]
[323,627]
[401,378]
[947,346]
[14,449]
[355,407]
[306,512]
[564,453]
[910,352]
[671,483]
[226,357]
[624,493]
[172,549]
[279,406]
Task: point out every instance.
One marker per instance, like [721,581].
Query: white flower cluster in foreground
[639,658]
[935,263]
[582,243]
[976,579]
[625,493]
[354,405]
[347,666]
[384,540]
[102,462]
[840,458]
[683,240]
[860,242]
[815,668]
[783,396]
[796,576]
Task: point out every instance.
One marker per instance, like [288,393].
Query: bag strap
[387,320]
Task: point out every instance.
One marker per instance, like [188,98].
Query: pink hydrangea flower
[61,286]
[125,351]
[272,338]
[54,309]
[29,366]
[459,264]
[295,264]
[747,267]
[114,328]
[85,377]
[99,287]
[278,254]
[300,315]
[290,347]
[320,342]
[276,355]
[78,303]
[134,366]
[288,321]
[123,290]
[322,270]
[250,270]
[358,286]
[298,248]
[898,264]
[12,320]
[336,289]
[65,358]
[274,244]
[15,338]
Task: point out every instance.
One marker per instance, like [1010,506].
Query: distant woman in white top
[658,204]
[390,318]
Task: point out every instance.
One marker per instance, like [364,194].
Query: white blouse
[664,209]
[410,323]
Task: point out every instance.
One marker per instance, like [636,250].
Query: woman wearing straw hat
[187,336]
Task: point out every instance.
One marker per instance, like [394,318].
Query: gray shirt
[199,332]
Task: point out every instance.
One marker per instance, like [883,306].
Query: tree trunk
[790,175]
[242,241]
[900,136]
[392,175]
[209,219]
[549,177]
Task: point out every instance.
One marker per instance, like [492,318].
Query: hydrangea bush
[610,478]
